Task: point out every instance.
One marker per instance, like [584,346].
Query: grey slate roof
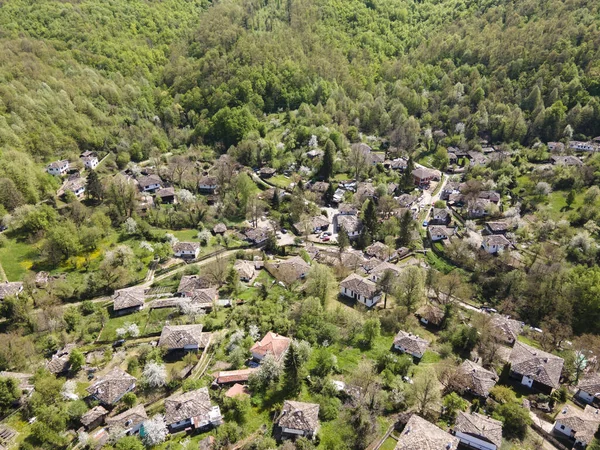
[111,387]
[299,416]
[480,426]
[477,379]
[350,223]
[187,405]
[178,336]
[92,415]
[128,419]
[186,246]
[584,423]
[10,288]
[543,367]
[419,434]
[360,285]
[411,342]
[188,283]
[128,298]
[590,383]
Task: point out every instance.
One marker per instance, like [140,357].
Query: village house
[193,410]
[347,209]
[183,337]
[58,168]
[440,216]
[439,232]
[245,269]
[496,227]
[476,380]
[477,159]
[361,289]
[189,283]
[376,158]
[316,153]
[478,208]
[451,187]
[59,363]
[506,329]
[430,314]
[313,224]
[478,431]
[319,187]
[380,251]
[298,419]
[399,164]
[410,344]
[166,195]
[272,344]
[351,224]
[567,160]
[149,183]
[220,228]
[110,388]
[419,434]
[422,176]
[90,160]
[338,195]
[365,191]
[207,184]
[289,270]
[266,172]
[76,185]
[556,146]
[203,298]
[257,236]
[406,200]
[536,369]
[492,196]
[186,250]
[130,421]
[495,243]
[237,390]
[377,272]
[94,417]
[129,300]
[583,146]
[578,425]
[234,376]
[10,288]
[588,388]
[452,158]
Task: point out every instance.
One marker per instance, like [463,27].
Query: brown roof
[208,181]
[421,172]
[288,270]
[10,288]
[299,416]
[349,223]
[360,285]
[187,405]
[233,376]
[128,298]
[188,283]
[129,418]
[347,208]
[272,343]
[380,250]
[431,313]
[257,234]
[585,423]
[149,181]
[479,425]
[411,342]
[385,266]
[244,268]
[166,192]
[440,230]
[111,387]
[92,415]
[419,434]
[220,228]
[477,379]
[237,390]
[314,222]
[179,336]
[319,186]
[543,367]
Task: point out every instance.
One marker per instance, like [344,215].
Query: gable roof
[350,223]
[431,313]
[128,298]
[497,226]
[204,296]
[190,282]
[443,213]
[92,415]
[179,336]
[208,181]
[507,328]
[590,383]
[543,367]
[411,342]
[166,192]
[10,288]
[440,230]
[234,376]
[380,250]
[129,418]
[481,426]
[187,405]
[299,416]
[288,270]
[477,379]
[272,343]
[383,267]
[244,268]
[257,234]
[149,180]
[419,434]
[186,246]
[584,423]
[496,239]
[237,390]
[112,386]
[360,285]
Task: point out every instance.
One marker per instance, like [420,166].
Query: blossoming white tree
[155,374]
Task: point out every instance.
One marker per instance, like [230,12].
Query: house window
[562,427]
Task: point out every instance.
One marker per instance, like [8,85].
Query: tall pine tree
[94,187]
[326,170]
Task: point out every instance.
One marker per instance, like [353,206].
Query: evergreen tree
[407,181]
[406,223]
[275,199]
[329,193]
[326,170]
[94,187]
[343,240]
[570,198]
[294,365]
[370,217]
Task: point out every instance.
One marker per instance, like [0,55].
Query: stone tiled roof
[411,342]
[244,268]
[208,181]
[288,270]
[319,186]
[590,383]
[166,192]
[149,181]
[128,419]
[186,246]
[384,266]
[347,208]
[421,172]
[585,423]
[24,379]
[111,387]
[128,298]
[179,336]
[440,230]
[481,426]
[352,224]
[380,250]
[58,164]
[431,313]
[188,283]
[187,405]
[257,234]
[507,329]
[272,343]
[477,379]
[10,288]
[419,434]
[442,213]
[497,226]
[220,228]
[299,416]
[545,368]
[204,296]
[496,239]
[360,285]
[92,415]
[312,223]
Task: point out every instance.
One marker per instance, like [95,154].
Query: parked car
[325,238]
[284,230]
[425,223]
[118,343]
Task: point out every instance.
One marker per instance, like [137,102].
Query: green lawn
[109,333]
[281,181]
[17,258]
[389,444]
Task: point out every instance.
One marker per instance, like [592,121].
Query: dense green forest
[136,77]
